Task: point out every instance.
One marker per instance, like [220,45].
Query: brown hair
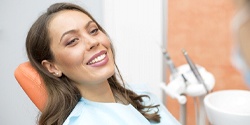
[62,95]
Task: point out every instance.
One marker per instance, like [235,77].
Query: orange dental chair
[32,84]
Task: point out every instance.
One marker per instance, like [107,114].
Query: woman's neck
[97,93]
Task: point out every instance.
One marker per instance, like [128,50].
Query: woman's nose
[91,43]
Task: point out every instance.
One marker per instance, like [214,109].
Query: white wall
[134,25]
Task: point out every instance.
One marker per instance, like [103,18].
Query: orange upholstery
[31,83]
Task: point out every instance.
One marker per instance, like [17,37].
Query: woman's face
[82,52]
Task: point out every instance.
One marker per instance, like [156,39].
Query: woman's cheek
[70,58]
[105,41]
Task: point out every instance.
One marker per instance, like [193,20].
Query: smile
[97,59]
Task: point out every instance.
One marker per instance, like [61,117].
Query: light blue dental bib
[94,113]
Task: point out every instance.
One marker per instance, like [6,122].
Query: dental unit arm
[188,80]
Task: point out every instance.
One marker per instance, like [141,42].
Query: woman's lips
[98,59]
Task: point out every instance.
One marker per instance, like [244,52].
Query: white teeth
[97,59]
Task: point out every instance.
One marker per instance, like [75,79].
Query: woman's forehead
[67,20]
[69,16]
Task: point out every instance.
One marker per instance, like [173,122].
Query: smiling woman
[75,58]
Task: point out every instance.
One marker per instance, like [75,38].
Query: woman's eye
[72,41]
[94,31]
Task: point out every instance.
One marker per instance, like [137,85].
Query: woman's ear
[52,68]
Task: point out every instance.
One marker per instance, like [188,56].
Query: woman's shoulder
[77,111]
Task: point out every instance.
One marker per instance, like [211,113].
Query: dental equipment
[170,63]
[200,110]
[188,80]
[180,97]
[194,69]
[228,107]
[172,67]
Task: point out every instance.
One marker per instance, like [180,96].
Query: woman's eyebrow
[73,30]
[87,25]
[67,32]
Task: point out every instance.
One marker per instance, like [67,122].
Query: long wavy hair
[62,94]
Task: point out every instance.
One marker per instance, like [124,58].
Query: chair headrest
[32,84]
